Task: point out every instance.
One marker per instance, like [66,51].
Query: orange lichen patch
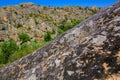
[100,25]
[98,49]
[63,58]
[49,58]
[12,69]
[80,71]
[101,19]
[44,69]
[22,66]
[118,57]
[114,77]
[118,54]
[108,52]
[109,27]
[105,65]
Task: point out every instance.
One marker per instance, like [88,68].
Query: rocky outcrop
[31,19]
[89,51]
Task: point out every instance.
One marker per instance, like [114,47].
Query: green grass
[7,48]
[23,50]
[24,37]
[26,49]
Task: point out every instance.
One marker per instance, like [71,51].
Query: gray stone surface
[93,56]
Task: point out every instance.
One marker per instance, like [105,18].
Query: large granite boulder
[89,51]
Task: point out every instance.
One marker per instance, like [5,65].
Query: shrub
[2,58]
[26,49]
[53,31]
[47,36]
[23,46]
[15,12]
[60,31]
[8,48]
[19,25]
[24,37]
[93,11]
[29,28]
[36,22]
[62,27]
[79,7]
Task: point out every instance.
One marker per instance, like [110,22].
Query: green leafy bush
[24,37]
[26,49]
[60,31]
[47,36]
[7,48]
[64,27]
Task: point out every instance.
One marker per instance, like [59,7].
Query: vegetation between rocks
[37,22]
[10,51]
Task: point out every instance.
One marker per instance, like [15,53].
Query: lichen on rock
[95,54]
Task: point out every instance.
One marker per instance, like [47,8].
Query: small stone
[33,71]
[65,54]
[70,72]
[57,62]
[32,77]
[99,40]
[45,54]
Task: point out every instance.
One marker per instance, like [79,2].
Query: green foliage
[29,28]
[93,11]
[24,37]
[25,49]
[60,31]
[36,22]
[15,12]
[44,7]
[47,36]
[9,51]
[64,27]
[19,25]
[53,31]
[86,8]
[23,46]
[79,7]
[2,58]
[31,15]
[7,48]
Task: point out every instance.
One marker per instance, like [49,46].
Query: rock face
[36,20]
[89,51]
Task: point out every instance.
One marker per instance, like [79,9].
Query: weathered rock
[86,52]
[28,17]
